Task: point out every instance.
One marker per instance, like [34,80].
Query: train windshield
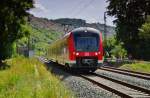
[86,42]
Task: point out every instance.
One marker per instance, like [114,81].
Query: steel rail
[147,91]
[142,73]
[126,73]
[119,93]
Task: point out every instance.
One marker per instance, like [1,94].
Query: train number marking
[87,54]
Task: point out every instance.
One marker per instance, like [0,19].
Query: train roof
[85,29]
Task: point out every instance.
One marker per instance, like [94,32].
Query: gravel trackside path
[81,87]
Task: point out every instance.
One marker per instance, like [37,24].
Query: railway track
[126,72]
[120,88]
[124,90]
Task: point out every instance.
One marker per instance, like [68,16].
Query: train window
[86,42]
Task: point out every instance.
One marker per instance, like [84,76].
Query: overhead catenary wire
[85,6]
[77,13]
[76,6]
[82,9]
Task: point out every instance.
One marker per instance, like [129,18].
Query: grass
[140,66]
[28,78]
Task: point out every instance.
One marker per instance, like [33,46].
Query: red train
[82,48]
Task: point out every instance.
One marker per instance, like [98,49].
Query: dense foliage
[12,21]
[145,39]
[114,49]
[130,15]
[39,39]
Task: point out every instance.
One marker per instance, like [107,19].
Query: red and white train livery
[82,48]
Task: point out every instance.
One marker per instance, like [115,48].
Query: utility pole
[105,33]
[105,29]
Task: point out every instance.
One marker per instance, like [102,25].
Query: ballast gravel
[129,79]
[79,86]
[85,89]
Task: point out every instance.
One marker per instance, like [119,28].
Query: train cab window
[86,42]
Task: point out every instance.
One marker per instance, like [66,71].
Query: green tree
[145,30]
[130,15]
[118,51]
[113,48]
[109,44]
[144,33]
[12,20]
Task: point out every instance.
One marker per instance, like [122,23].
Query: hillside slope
[74,23]
[44,23]
[43,31]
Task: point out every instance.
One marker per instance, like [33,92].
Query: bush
[114,48]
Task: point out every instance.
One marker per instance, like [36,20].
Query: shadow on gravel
[60,70]
[57,70]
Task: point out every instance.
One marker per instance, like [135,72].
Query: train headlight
[99,52]
[77,53]
[96,53]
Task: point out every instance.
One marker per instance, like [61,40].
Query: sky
[89,10]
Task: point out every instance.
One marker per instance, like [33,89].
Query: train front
[86,48]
